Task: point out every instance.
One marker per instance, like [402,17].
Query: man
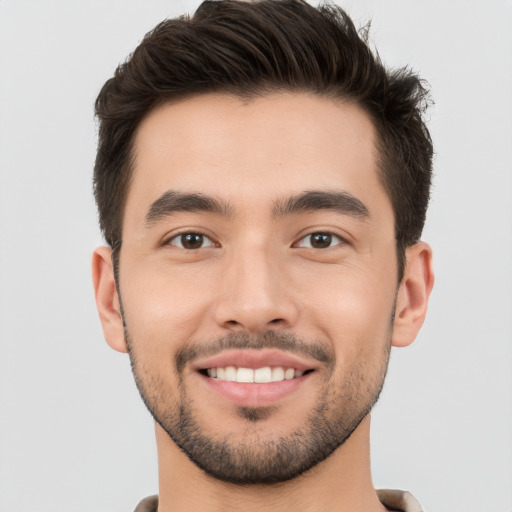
[262,183]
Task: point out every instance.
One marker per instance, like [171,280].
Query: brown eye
[320,240]
[191,241]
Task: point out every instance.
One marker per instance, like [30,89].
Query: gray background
[74,435]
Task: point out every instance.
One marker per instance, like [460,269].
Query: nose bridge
[253,294]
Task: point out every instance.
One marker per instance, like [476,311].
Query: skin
[258,272]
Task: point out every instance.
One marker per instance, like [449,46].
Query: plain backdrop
[74,435]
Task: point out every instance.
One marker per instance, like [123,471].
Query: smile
[262,375]
[255,378]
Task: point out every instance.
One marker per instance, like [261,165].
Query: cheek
[353,308]
[162,306]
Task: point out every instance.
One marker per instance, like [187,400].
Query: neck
[341,483]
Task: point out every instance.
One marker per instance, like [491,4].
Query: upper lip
[252,358]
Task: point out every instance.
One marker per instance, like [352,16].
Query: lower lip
[256,394]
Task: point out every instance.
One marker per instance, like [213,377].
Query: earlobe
[413,294]
[107,299]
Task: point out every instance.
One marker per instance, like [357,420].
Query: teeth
[263,375]
[277,374]
[259,375]
[245,375]
[230,373]
[289,374]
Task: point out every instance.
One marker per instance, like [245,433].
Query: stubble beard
[252,459]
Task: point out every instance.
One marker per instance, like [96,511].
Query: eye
[191,241]
[320,240]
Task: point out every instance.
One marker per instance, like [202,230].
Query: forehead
[254,151]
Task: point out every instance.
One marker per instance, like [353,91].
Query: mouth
[255,378]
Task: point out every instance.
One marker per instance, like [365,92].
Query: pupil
[321,240]
[192,240]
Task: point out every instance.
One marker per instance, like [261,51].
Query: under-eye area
[262,375]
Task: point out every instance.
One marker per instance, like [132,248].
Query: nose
[255,294]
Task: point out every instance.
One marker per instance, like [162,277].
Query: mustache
[286,342]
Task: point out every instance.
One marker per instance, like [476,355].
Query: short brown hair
[255,48]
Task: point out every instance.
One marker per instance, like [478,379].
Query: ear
[413,294]
[107,299]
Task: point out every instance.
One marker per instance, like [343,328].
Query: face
[258,279]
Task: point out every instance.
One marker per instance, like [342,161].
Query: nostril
[276,321]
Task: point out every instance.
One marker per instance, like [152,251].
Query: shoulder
[401,501]
[149,504]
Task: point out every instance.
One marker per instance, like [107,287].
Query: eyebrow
[316,200]
[173,201]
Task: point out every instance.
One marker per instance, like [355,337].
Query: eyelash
[329,238]
[179,236]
